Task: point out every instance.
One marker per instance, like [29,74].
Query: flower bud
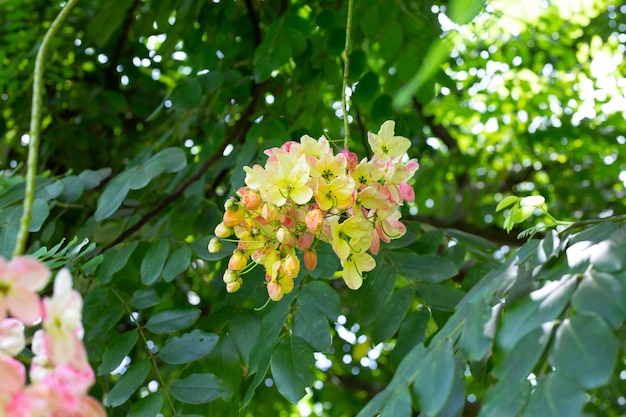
[215,245]
[275,291]
[222,231]
[251,200]
[237,261]
[230,276]
[234,217]
[291,265]
[283,235]
[234,286]
[310,259]
[231,204]
[314,220]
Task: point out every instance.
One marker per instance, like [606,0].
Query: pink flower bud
[314,220]
[310,259]
[251,200]
[222,231]
[406,192]
[215,245]
[351,158]
[305,240]
[275,291]
[230,276]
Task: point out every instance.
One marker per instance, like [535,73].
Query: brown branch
[236,136]
[438,130]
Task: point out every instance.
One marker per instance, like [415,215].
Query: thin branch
[237,134]
[438,130]
[346,71]
[35,130]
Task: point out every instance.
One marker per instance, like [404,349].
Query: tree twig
[35,130]
[346,71]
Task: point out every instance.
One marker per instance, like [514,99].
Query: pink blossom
[12,339]
[20,280]
[406,192]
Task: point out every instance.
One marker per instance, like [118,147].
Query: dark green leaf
[412,332]
[505,399]
[319,295]
[311,325]
[197,388]
[153,262]
[439,296]
[398,405]
[517,364]
[475,342]
[40,212]
[391,315]
[168,321]
[422,268]
[555,396]
[188,347]
[149,297]
[187,94]
[435,377]
[113,195]
[177,263]
[292,362]
[118,347]
[244,329]
[149,406]
[585,349]
[128,383]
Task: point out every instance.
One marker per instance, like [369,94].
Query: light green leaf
[40,212]
[585,349]
[463,11]
[153,262]
[604,294]
[128,383]
[506,201]
[517,364]
[532,201]
[188,347]
[292,362]
[398,405]
[168,321]
[113,195]
[177,263]
[197,388]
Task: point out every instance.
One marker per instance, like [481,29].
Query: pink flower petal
[28,273]
[24,305]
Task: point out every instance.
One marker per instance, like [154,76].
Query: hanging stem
[346,71]
[35,130]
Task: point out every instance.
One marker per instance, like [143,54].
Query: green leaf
[72,188]
[167,160]
[113,195]
[312,326]
[244,329]
[422,268]
[40,212]
[434,381]
[187,94]
[505,399]
[506,201]
[128,383]
[440,296]
[91,179]
[532,201]
[188,347]
[604,294]
[367,87]
[463,11]
[412,332]
[149,297]
[541,306]
[197,388]
[398,405]
[320,295]
[475,342]
[118,347]
[114,260]
[292,362]
[168,321]
[375,292]
[555,396]
[392,314]
[517,364]
[153,262]
[177,263]
[585,349]
[149,406]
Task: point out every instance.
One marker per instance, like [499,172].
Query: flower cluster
[59,374]
[306,194]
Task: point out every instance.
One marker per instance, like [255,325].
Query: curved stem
[346,71]
[35,130]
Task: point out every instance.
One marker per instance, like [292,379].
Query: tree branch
[237,134]
[438,130]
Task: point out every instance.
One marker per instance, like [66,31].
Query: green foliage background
[152,107]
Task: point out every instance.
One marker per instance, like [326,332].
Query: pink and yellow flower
[20,280]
